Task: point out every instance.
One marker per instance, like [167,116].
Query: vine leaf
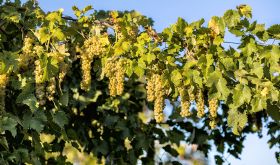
[245,10]
[231,18]
[237,121]
[8,124]
[241,94]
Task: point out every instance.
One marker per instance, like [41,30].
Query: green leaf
[180,25]
[139,71]
[237,121]
[76,10]
[8,124]
[34,121]
[218,40]
[197,78]
[273,111]
[27,96]
[176,77]
[43,35]
[241,94]
[60,118]
[231,18]
[50,67]
[250,48]
[245,10]
[228,63]
[222,89]
[150,58]
[257,69]
[258,103]
[4,143]
[64,98]
[274,31]
[57,33]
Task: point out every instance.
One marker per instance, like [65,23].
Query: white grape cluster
[159,99]
[213,107]
[155,92]
[27,55]
[40,85]
[3,83]
[62,72]
[200,103]
[115,70]
[151,88]
[191,94]
[51,89]
[185,102]
[94,46]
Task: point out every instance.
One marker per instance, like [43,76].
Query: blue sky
[166,12]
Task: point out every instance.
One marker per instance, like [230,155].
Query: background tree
[90,82]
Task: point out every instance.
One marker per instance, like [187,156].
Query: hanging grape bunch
[94,46]
[185,102]
[200,103]
[39,76]
[115,71]
[213,107]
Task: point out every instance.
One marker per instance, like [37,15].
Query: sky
[165,13]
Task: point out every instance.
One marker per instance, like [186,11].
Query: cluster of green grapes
[159,99]
[151,88]
[94,46]
[40,84]
[51,89]
[200,103]
[191,94]
[213,107]
[3,83]
[187,95]
[27,55]
[62,72]
[115,70]
[155,92]
[185,102]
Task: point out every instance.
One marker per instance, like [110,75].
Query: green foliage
[40,92]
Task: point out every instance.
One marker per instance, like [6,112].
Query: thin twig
[229,42]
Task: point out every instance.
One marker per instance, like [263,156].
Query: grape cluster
[93,47]
[151,88]
[213,107]
[159,99]
[62,72]
[86,71]
[38,50]
[27,54]
[200,103]
[115,70]
[185,103]
[56,55]
[40,85]
[191,94]
[3,83]
[51,89]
